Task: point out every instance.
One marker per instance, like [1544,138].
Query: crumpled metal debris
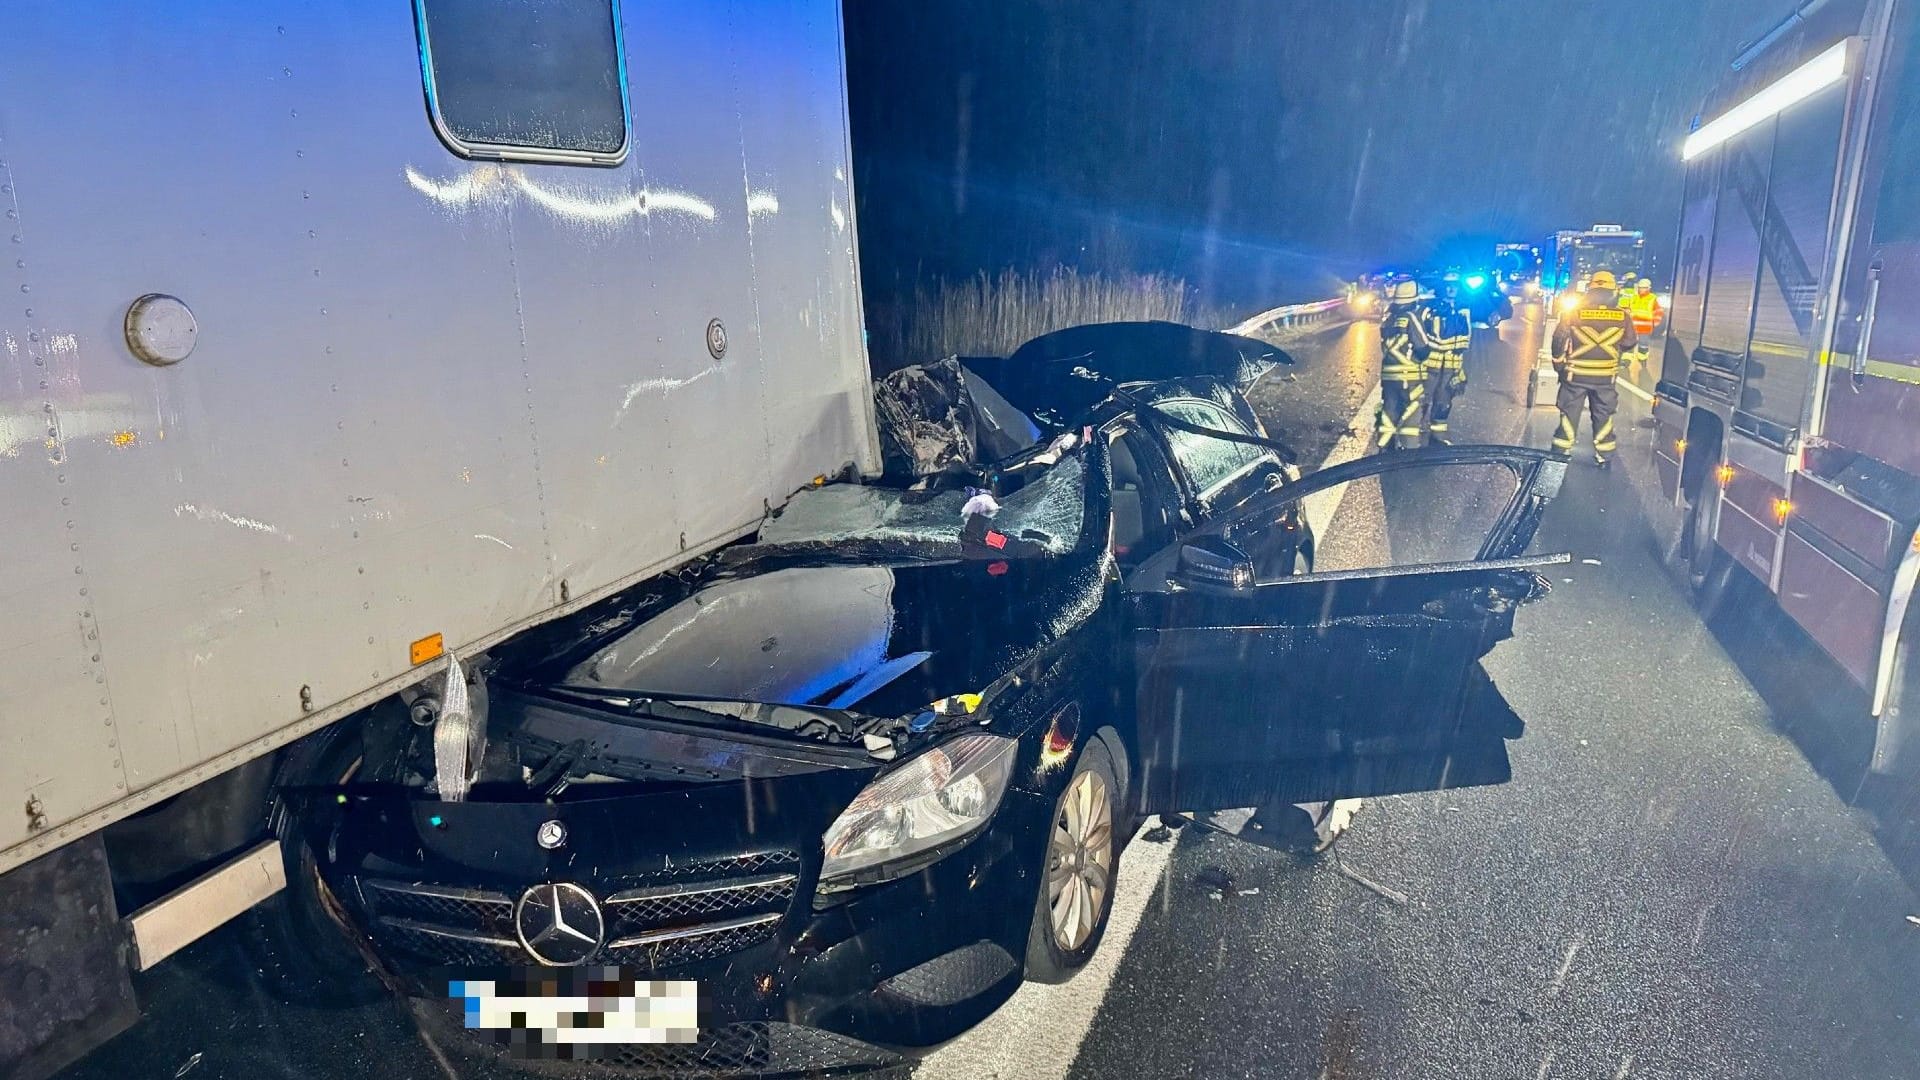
[927,421]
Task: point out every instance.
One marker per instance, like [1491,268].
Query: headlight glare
[943,794]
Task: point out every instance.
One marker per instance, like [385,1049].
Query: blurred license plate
[579,1007]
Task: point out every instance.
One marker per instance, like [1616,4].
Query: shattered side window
[1049,510]
[1208,462]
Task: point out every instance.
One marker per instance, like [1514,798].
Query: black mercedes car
[829,796]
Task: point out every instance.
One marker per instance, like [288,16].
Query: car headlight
[941,795]
[1569,304]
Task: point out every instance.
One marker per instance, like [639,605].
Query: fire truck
[1572,256]
[1790,380]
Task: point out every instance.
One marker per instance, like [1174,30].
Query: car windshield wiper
[801,721]
[561,769]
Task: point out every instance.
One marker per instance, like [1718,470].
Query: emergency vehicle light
[1796,86]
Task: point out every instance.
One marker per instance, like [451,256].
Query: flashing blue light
[1475,281]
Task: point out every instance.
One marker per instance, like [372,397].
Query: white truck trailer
[341,338]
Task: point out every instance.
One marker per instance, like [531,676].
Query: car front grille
[450,925]
[675,915]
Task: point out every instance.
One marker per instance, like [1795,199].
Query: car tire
[1071,909]
[1708,572]
[301,950]
[1892,789]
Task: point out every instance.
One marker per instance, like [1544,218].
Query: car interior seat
[1129,508]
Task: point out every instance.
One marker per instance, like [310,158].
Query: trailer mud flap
[64,987]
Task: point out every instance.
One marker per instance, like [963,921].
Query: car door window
[1210,465]
[1402,518]
[1373,516]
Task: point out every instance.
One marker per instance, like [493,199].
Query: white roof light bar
[1796,86]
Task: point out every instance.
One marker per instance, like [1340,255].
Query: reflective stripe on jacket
[1590,340]
[1450,332]
[1404,344]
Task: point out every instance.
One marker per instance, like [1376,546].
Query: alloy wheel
[1080,861]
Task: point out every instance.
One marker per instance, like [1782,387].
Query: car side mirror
[1214,562]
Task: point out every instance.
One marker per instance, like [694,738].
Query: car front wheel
[297,938]
[1076,889]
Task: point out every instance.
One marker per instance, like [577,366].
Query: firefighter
[1587,347]
[1404,347]
[1643,307]
[1449,329]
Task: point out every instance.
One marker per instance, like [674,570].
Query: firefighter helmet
[1405,291]
[1604,280]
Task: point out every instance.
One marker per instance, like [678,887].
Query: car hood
[879,639]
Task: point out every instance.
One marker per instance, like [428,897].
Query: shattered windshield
[1049,511]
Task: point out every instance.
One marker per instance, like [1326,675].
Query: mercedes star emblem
[559,925]
[550,835]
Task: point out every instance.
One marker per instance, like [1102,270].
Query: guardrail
[1294,315]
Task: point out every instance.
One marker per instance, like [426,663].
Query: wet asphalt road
[1666,889]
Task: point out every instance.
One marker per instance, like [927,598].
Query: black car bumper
[789,982]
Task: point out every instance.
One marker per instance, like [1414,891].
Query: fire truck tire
[1708,571]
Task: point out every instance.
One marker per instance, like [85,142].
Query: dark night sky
[1235,141]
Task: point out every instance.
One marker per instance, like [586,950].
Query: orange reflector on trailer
[431,647]
[1725,474]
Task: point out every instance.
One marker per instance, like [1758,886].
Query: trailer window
[535,80]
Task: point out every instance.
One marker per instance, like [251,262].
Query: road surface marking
[1038,1032]
[1560,977]
[1320,506]
[1633,389]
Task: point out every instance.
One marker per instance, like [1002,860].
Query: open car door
[1260,684]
